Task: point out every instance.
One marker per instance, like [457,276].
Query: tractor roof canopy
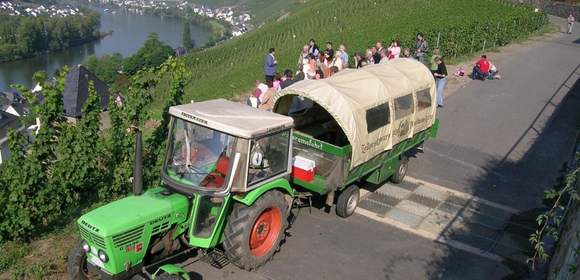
[232,118]
[348,95]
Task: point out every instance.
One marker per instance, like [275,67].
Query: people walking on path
[270,65]
[571,20]
[421,47]
[440,80]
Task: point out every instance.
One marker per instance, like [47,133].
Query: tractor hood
[152,208]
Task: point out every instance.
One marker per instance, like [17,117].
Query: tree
[152,54]
[107,67]
[187,41]
[177,73]
[124,119]
[39,77]
[33,203]
[76,170]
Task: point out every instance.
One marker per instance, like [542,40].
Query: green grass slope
[463,26]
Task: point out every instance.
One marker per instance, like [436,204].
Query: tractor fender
[279,184]
[171,269]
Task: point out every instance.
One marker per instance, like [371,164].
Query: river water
[130,30]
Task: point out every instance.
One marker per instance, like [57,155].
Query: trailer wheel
[254,233]
[347,201]
[77,264]
[399,176]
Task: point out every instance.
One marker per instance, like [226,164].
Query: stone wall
[565,262]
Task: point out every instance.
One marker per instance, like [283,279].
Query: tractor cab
[220,147]
[217,147]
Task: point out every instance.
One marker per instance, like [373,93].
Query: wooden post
[472,41]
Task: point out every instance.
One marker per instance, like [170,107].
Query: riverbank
[100,36]
[27,36]
[130,31]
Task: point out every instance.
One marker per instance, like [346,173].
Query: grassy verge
[44,258]
[467,59]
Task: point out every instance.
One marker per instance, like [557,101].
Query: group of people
[315,63]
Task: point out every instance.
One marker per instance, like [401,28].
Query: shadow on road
[505,180]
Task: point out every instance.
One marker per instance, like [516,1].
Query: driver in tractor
[204,156]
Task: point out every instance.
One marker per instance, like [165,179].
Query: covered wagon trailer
[358,125]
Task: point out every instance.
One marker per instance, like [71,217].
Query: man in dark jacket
[287,79]
[270,65]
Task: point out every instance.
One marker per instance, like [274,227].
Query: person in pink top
[394,50]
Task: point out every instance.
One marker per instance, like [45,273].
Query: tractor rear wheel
[347,201]
[77,264]
[399,176]
[254,233]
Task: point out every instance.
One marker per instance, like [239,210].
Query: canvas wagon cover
[349,94]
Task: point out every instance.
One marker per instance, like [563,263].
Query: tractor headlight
[102,256]
[85,246]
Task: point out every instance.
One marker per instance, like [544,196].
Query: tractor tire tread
[239,226]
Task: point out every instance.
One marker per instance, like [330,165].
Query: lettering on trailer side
[310,143]
[371,145]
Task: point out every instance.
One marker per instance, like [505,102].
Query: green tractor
[232,172]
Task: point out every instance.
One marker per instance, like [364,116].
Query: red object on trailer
[303,169]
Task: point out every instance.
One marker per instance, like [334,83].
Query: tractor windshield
[198,157]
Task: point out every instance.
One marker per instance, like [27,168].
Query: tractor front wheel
[254,233]
[77,264]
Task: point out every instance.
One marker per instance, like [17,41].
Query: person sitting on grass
[481,69]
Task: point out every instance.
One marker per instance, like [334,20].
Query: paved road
[502,141]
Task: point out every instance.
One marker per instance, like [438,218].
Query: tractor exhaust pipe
[138,169]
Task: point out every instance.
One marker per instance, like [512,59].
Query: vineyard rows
[458,27]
